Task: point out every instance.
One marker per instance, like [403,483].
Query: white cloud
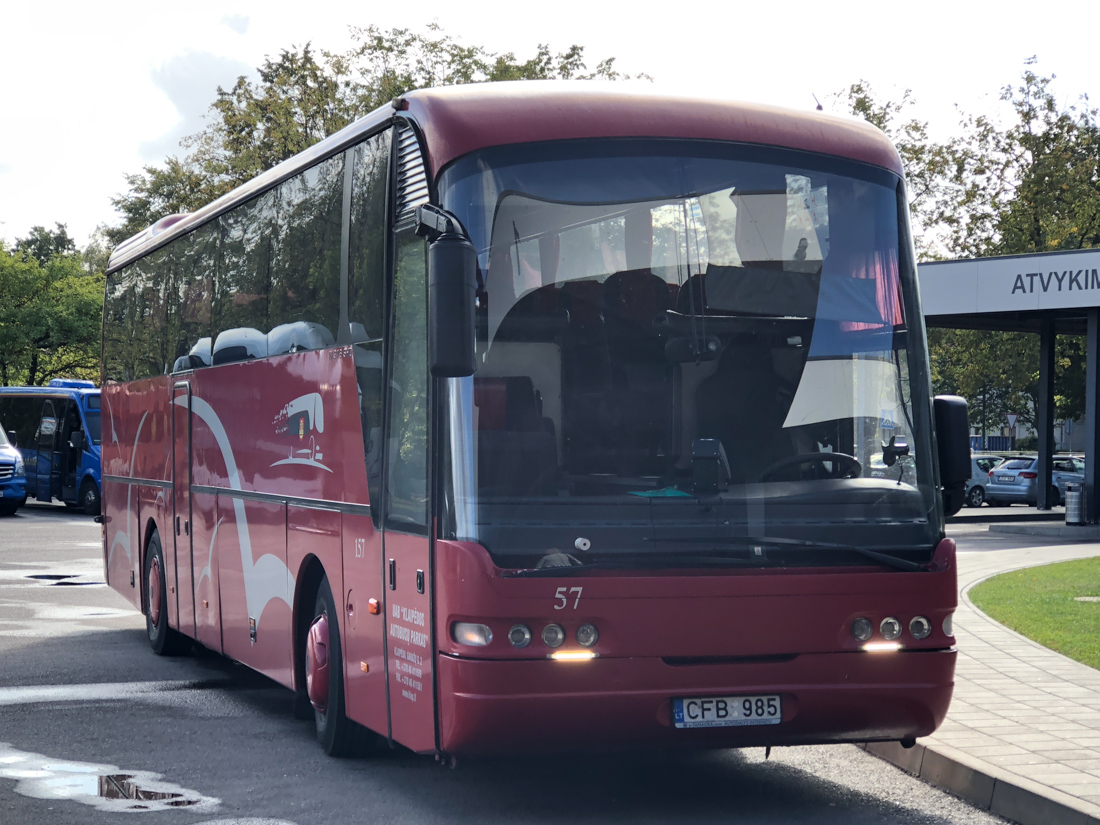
[190,81]
[236,22]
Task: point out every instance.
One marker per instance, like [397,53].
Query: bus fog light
[587,635]
[862,629]
[520,635]
[891,628]
[470,633]
[553,635]
[920,627]
[949,625]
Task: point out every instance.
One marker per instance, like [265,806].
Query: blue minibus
[56,429]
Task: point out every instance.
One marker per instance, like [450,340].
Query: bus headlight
[862,629]
[920,627]
[520,635]
[949,625]
[891,628]
[470,633]
[587,635]
[20,467]
[553,635]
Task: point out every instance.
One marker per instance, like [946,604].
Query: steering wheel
[844,465]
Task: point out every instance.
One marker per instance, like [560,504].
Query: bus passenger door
[182,560]
[410,646]
[44,466]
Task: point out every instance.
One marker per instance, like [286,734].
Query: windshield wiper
[800,544]
[632,563]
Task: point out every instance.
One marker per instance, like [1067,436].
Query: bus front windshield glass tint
[688,355]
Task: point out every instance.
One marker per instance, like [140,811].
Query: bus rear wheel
[325,676]
[162,638]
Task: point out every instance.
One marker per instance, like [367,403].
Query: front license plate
[1006,478]
[726,711]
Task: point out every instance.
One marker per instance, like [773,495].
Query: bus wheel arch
[307,583]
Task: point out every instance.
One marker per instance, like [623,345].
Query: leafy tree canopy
[42,245]
[50,318]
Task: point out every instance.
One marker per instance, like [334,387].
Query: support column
[1092,414]
[1045,424]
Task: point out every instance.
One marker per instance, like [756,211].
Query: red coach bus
[542,416]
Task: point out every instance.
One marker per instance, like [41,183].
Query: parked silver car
[1017,479]
[980,465]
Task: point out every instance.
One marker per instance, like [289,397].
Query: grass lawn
[1039,603]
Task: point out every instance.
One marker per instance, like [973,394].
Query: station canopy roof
[1013,293]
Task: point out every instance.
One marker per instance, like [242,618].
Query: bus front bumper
[493,707]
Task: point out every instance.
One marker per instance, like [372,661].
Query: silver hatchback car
[1017,479]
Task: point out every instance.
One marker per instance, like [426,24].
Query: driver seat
[742,405]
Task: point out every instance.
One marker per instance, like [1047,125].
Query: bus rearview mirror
[953,445]
[452,295]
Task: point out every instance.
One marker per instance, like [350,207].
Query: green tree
[1055,157]
[50,319]
[42,245]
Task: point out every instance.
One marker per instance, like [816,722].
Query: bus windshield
[92,418]
[688,353]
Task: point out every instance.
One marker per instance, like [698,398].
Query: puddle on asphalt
[61,579]
[104,787]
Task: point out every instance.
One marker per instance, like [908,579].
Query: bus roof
[457,120]
[57,387]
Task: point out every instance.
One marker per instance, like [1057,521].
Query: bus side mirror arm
[452,293]
[953,446]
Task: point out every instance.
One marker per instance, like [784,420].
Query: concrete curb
[986,786]
[1064,532]
[980,517]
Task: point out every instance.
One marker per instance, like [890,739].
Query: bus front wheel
[89,497]
[325,676]
[162,638]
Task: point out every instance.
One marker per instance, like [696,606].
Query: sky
[91,92]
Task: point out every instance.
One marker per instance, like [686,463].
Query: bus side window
[407,425]
[366,290]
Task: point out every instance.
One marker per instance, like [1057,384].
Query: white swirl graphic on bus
[266,578]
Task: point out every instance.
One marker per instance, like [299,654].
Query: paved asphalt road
[81,696]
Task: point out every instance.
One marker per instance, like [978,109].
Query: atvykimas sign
[1082,279]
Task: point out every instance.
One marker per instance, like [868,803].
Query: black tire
[1056,496]
[336,733]
[89,497]
[9,508]
[162,638]
[975,497]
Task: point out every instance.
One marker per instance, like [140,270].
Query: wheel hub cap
[154,591]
